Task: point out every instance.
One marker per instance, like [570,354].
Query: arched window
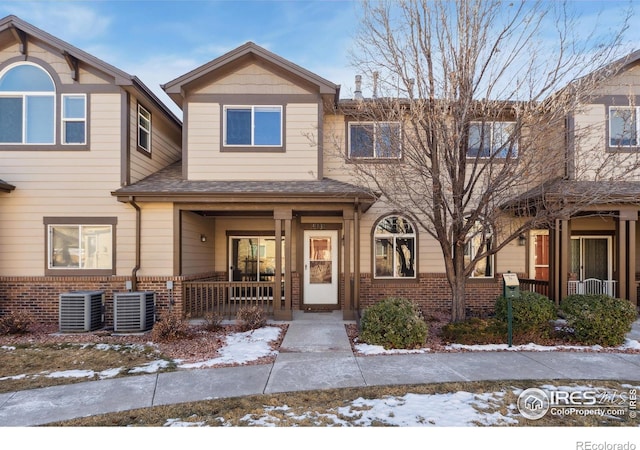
[394,241]
[479,240]
[27,105]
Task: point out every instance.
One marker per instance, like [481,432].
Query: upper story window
[27,105]
[394,241]
[378,140]
[144,129]
[479,241]
[492,139]
[623,126]
[253,126]
[74,119]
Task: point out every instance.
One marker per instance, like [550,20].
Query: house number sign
[318,226]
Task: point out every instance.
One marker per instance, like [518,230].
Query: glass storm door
[321,267]
[590,257]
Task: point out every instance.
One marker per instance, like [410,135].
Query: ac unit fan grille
[81,311]
[133,311]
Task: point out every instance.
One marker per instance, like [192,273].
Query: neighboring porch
[594,252]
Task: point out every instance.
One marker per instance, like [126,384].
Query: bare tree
[482,90]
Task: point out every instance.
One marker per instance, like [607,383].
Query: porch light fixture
[522,240]
[203,238]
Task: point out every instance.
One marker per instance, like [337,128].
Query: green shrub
[393,323]
[598,319]
[251,318]
[170,327]
[16,322]
[532,312]
[475,331]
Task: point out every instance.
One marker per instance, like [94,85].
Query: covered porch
[587,240]
[595,252]
[282,246]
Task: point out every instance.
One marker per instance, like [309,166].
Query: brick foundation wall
[432,293]
[40,295]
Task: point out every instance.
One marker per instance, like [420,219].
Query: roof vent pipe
[375,85]
[358,93]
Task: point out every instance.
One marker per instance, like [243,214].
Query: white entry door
[321,267]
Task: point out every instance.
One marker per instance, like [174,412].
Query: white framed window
[144,129]
[74,119]
[377,140]
[623,126]
[479,241]
[492,139]
[253,126]
[394,241]
[27,105]
[80,247]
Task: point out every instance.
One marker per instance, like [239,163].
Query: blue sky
[161,40]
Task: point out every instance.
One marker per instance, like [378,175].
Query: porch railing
[226,297]
[539,286]
[592,286]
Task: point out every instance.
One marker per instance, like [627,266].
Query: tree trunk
[458,301]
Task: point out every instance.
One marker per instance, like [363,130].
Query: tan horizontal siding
[252,79]
[207,162]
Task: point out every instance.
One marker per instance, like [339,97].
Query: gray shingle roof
[6,187]
[169,181]
[582,191]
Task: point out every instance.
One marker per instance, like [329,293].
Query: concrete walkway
[315,354]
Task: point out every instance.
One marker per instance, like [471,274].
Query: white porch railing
[593,286]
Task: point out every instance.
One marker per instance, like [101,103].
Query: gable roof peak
[176,88]
[120,77]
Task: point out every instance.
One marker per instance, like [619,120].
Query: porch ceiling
[168,185]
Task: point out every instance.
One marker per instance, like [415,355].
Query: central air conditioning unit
[81,311]
[133,311]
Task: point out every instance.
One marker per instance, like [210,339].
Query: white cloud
[70,21]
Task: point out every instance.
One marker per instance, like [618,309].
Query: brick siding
[40,295]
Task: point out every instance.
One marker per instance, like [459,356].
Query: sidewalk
[315,354]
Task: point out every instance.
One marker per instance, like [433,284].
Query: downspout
[134,272]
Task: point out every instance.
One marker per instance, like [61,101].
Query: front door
[321,267]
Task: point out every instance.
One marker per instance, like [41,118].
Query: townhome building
[249,199]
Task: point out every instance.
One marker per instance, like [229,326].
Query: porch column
[626,252]
[565,254]
[356,261]
[348,311]
[281,312]
[560,242]
[621,262]
[631,265]
[553,293]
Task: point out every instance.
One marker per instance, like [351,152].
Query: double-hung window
[492,139]
[253,126]
[377,140]
[394,240]
[27,105]
[623,126]
[144,129]
[74,119]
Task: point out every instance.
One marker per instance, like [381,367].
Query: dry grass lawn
[321,408]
